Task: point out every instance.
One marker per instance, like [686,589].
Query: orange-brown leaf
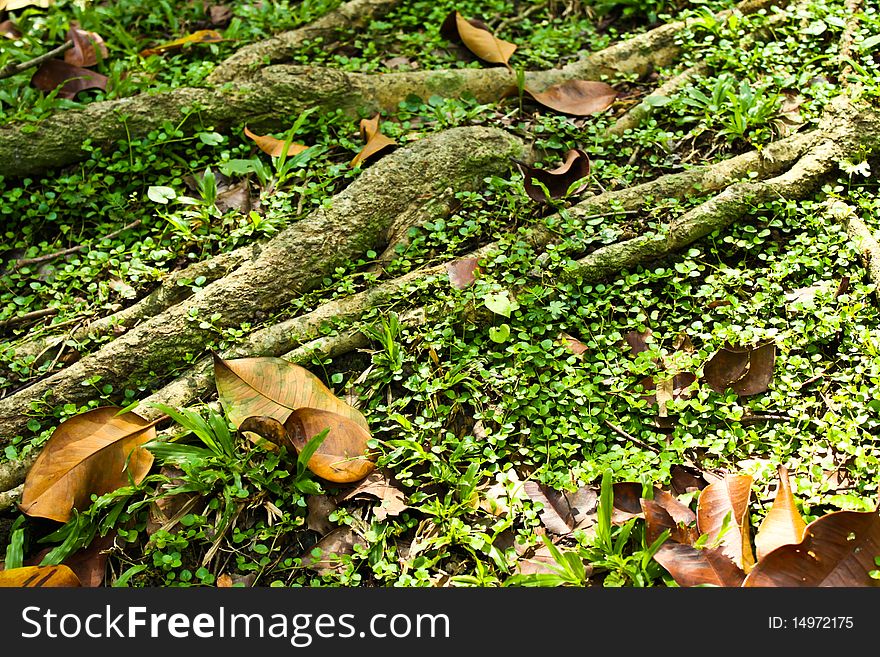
[783,524]
[576,97]
[343,455]
[476,37]
[202,36]
[728,496]
[746,370]
[274,387]
[375,141]
[838,550]
[39,577]
[274,146]
[692,567]
[89,454]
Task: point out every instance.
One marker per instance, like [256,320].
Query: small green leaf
[499,334]
[160,194]
[500,303]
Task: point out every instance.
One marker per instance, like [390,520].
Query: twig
[635,441]
[36,314]
[24,262]
[14,69]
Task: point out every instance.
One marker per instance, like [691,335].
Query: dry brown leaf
[562,511]
[375,141]
[559,181]
[89,454]
[692,567]
[274,146]
[324,557]
[574,345]
[219,15]
[745,370]
[729,497]
[576,97]
[202,36]
[39,577]
[658,519]
[9,30]
[86,47]
[462,273]
[378,485]
[343,455]
[55,73]
[274,387]
[320,507]
[838,549]
[476,37]
[783,524]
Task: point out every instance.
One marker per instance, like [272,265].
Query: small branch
[36,314]
[14,69]
[9,498]
[26,262]
[635,441]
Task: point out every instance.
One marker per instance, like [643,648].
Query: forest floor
[485,398]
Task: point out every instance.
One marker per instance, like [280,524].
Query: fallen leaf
[561,181]
[685,479]
[783,524]
[729,497]
[375,141]
[324,556]
[86,46]
[9,30]
[219,15]
[576,97]
[320,507]
[562,511]
[89,454]
[462,273]
[202,36]
[235,197]
[574,345]
[392,501]
[89,564]
[39,577]
[745,370]
[343,455]
[637,341]
[55,73]
[838,549]
[268,428]
[12,5]
[167,509]
[692,567]
[658,519]
[273,387]
[224,581]
[274,146]
[476,37]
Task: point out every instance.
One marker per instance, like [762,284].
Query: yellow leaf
[274,146]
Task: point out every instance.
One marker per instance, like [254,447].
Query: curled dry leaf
[685,479]
[574,345]
[219,15]
[462,273]
[86,48]
[268,428]
[745,370]
[558,181]
[576,97]
[783,524]
[838,549]
[728,500]
[658,519]
[55,73]
[324,557]
[637,341]
[374,140]
[378,485]
[39,577]
[89,454]
[342,456]
[274,146]
[274,387]
[202,36]
[476,37]
[692,567]
[562,511]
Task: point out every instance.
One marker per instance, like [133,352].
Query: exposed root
[861,234]
[10,498]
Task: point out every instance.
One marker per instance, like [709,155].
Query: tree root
[291,263]
[267,97]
